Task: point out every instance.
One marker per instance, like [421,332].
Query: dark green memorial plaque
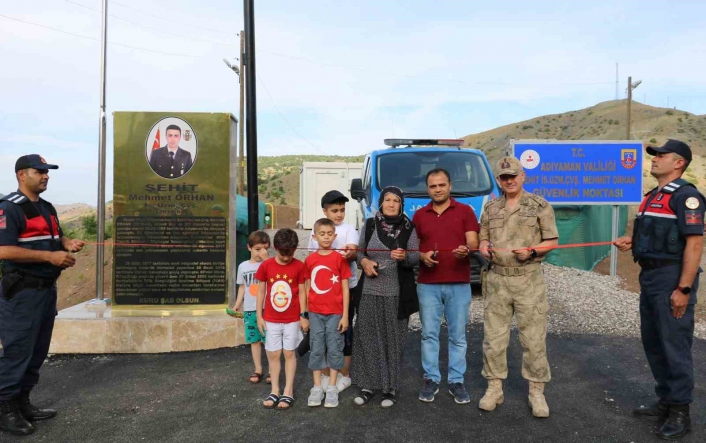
[173,175]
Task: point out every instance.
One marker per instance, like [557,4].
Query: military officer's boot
[678,423]
[658,411]
[493,395]
[31,412]
[12,421]
[536,400]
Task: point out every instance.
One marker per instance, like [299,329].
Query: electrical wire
[113,2]
[291,128]
[151,28]
[397,74]
[98,40]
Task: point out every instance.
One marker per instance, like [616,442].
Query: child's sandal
[286,400]
[255,378]
[274,398]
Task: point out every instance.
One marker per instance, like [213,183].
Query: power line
[486,83]
[285,119]
[396,74]
[151,28]
[113,2]
[98,40]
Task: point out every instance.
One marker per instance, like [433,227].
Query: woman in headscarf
[388,298]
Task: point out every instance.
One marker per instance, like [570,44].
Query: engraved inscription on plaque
[170,260]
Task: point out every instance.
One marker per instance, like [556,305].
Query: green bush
[525,127]
[653,140]
[670,112]
[90,225]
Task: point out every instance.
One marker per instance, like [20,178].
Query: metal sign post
[613,237]
[99,301]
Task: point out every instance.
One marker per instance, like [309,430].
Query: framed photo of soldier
[171,147]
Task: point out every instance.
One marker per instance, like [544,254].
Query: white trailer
[316,179]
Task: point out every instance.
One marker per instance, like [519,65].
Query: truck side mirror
[357,191]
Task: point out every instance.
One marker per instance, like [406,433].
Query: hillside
[278,177]
[606,121]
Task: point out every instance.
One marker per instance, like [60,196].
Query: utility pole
[253,202]
[627,136]
[616,81]
[241,123]
[631,86]
[100,210]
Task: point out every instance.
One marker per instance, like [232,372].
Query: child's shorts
[252,334]
[280,336]
[326,342]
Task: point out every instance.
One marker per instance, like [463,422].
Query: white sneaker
[343,382]
[325,381]
[316,395]
[331,397]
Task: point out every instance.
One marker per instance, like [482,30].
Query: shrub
[679,119]
[653,140]
[670,112]
[90,225]
[525,127]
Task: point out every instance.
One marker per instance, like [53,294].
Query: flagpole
[100,210]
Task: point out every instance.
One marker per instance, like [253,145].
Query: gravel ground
[581,302]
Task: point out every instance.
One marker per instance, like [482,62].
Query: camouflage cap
[508,166]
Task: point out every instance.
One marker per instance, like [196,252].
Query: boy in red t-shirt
[281,280]
[327,299]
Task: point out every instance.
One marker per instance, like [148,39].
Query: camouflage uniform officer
[522,229]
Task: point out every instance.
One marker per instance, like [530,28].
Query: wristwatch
[533,253]
[304,315]
[686,290]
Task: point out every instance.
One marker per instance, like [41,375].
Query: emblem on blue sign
[628,158]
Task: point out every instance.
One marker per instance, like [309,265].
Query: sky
[334,77]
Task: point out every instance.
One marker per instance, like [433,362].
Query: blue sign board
[583,172]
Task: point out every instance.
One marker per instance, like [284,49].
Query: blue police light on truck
[395,142]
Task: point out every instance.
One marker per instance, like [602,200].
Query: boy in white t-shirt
[258,243]
[346,243]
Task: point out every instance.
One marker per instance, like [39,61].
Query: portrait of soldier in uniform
[171,160]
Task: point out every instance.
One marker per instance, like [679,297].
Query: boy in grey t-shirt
[258,243]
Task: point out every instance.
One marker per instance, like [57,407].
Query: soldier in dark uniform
[33,252]
[171,161]
[667,242]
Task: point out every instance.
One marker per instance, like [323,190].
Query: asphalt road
[204,396]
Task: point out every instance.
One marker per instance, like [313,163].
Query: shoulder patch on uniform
[492,202]
[693,217]
[15,198]
[692,203]
[541,201]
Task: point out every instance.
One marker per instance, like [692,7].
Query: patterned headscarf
[390,227]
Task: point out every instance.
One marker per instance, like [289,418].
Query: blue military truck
[405,165]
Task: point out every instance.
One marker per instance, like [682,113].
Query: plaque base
[123,330]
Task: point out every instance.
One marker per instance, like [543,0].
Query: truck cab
[405,165]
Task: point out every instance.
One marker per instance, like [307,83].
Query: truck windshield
[408,170]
